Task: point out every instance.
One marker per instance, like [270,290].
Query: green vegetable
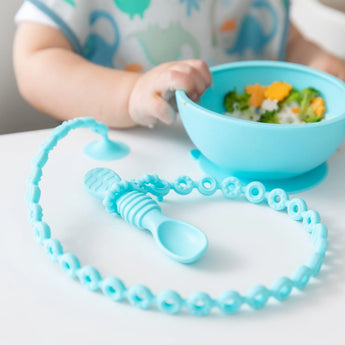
[306,113]
[310,116]
[233,100]
[294,96]
[270,117]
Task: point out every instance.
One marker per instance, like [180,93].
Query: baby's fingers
[176,79]
[189,79]
[155,108]
[202,69]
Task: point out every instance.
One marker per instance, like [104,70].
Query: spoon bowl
[184,242]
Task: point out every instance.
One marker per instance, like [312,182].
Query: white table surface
[248,245]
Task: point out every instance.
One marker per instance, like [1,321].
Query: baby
[120,61]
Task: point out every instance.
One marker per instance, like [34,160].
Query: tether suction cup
[295,184]
[106,150]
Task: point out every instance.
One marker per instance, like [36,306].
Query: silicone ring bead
[61,131]
[89,277]
[320,231]
[315,263]
[149,179]
[207,185]
[35,213]
[113,288]
[295,208]
[69,264]
[310,219]
[140,296]
[199,303]
[255,192]
[118,188]
[86,121]
[277,199]
[257,296]
[53,249]
[50,143]
[33,194]
[162,189]
[229,302]
[109,203]
[169,302]
[138,185]
[301,277]
[183,185]
[35,175]
[150,182]
[281,288]
[113,194]
[79,123]
[41,232]
[231,187]
[40,159]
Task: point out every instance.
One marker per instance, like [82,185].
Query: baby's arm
[302,51]
[63,84]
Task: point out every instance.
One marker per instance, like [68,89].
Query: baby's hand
[330,64]
[149,100]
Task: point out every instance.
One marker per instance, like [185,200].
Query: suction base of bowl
[291,185]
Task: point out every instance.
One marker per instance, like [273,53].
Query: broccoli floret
[310,116]
[270,117]
[307,95]
[294,96]
[233,100]
[229,101]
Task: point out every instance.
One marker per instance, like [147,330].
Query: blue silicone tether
[169,301]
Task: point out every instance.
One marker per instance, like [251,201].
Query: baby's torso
[139,34]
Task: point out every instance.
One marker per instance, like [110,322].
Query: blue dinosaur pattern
[251,35]
[190,5]
[96,49]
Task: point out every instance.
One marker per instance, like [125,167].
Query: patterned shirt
[139,34]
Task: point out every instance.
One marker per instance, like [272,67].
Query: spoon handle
[136,206]
[133,206]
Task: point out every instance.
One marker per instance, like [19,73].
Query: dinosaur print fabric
[139,34]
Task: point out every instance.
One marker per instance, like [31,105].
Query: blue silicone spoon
[179,240]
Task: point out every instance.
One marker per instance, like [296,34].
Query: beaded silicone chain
[169,301]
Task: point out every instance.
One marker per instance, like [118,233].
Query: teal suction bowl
[262,150]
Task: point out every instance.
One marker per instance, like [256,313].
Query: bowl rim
[267,63]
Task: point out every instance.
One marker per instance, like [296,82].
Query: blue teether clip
[117,200]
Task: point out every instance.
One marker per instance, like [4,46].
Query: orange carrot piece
[257,94]
[318,106]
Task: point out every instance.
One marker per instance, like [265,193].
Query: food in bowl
[278,103]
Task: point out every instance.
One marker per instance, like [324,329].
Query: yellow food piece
[295,110]
[257,94]
[318,106]
[278,90]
